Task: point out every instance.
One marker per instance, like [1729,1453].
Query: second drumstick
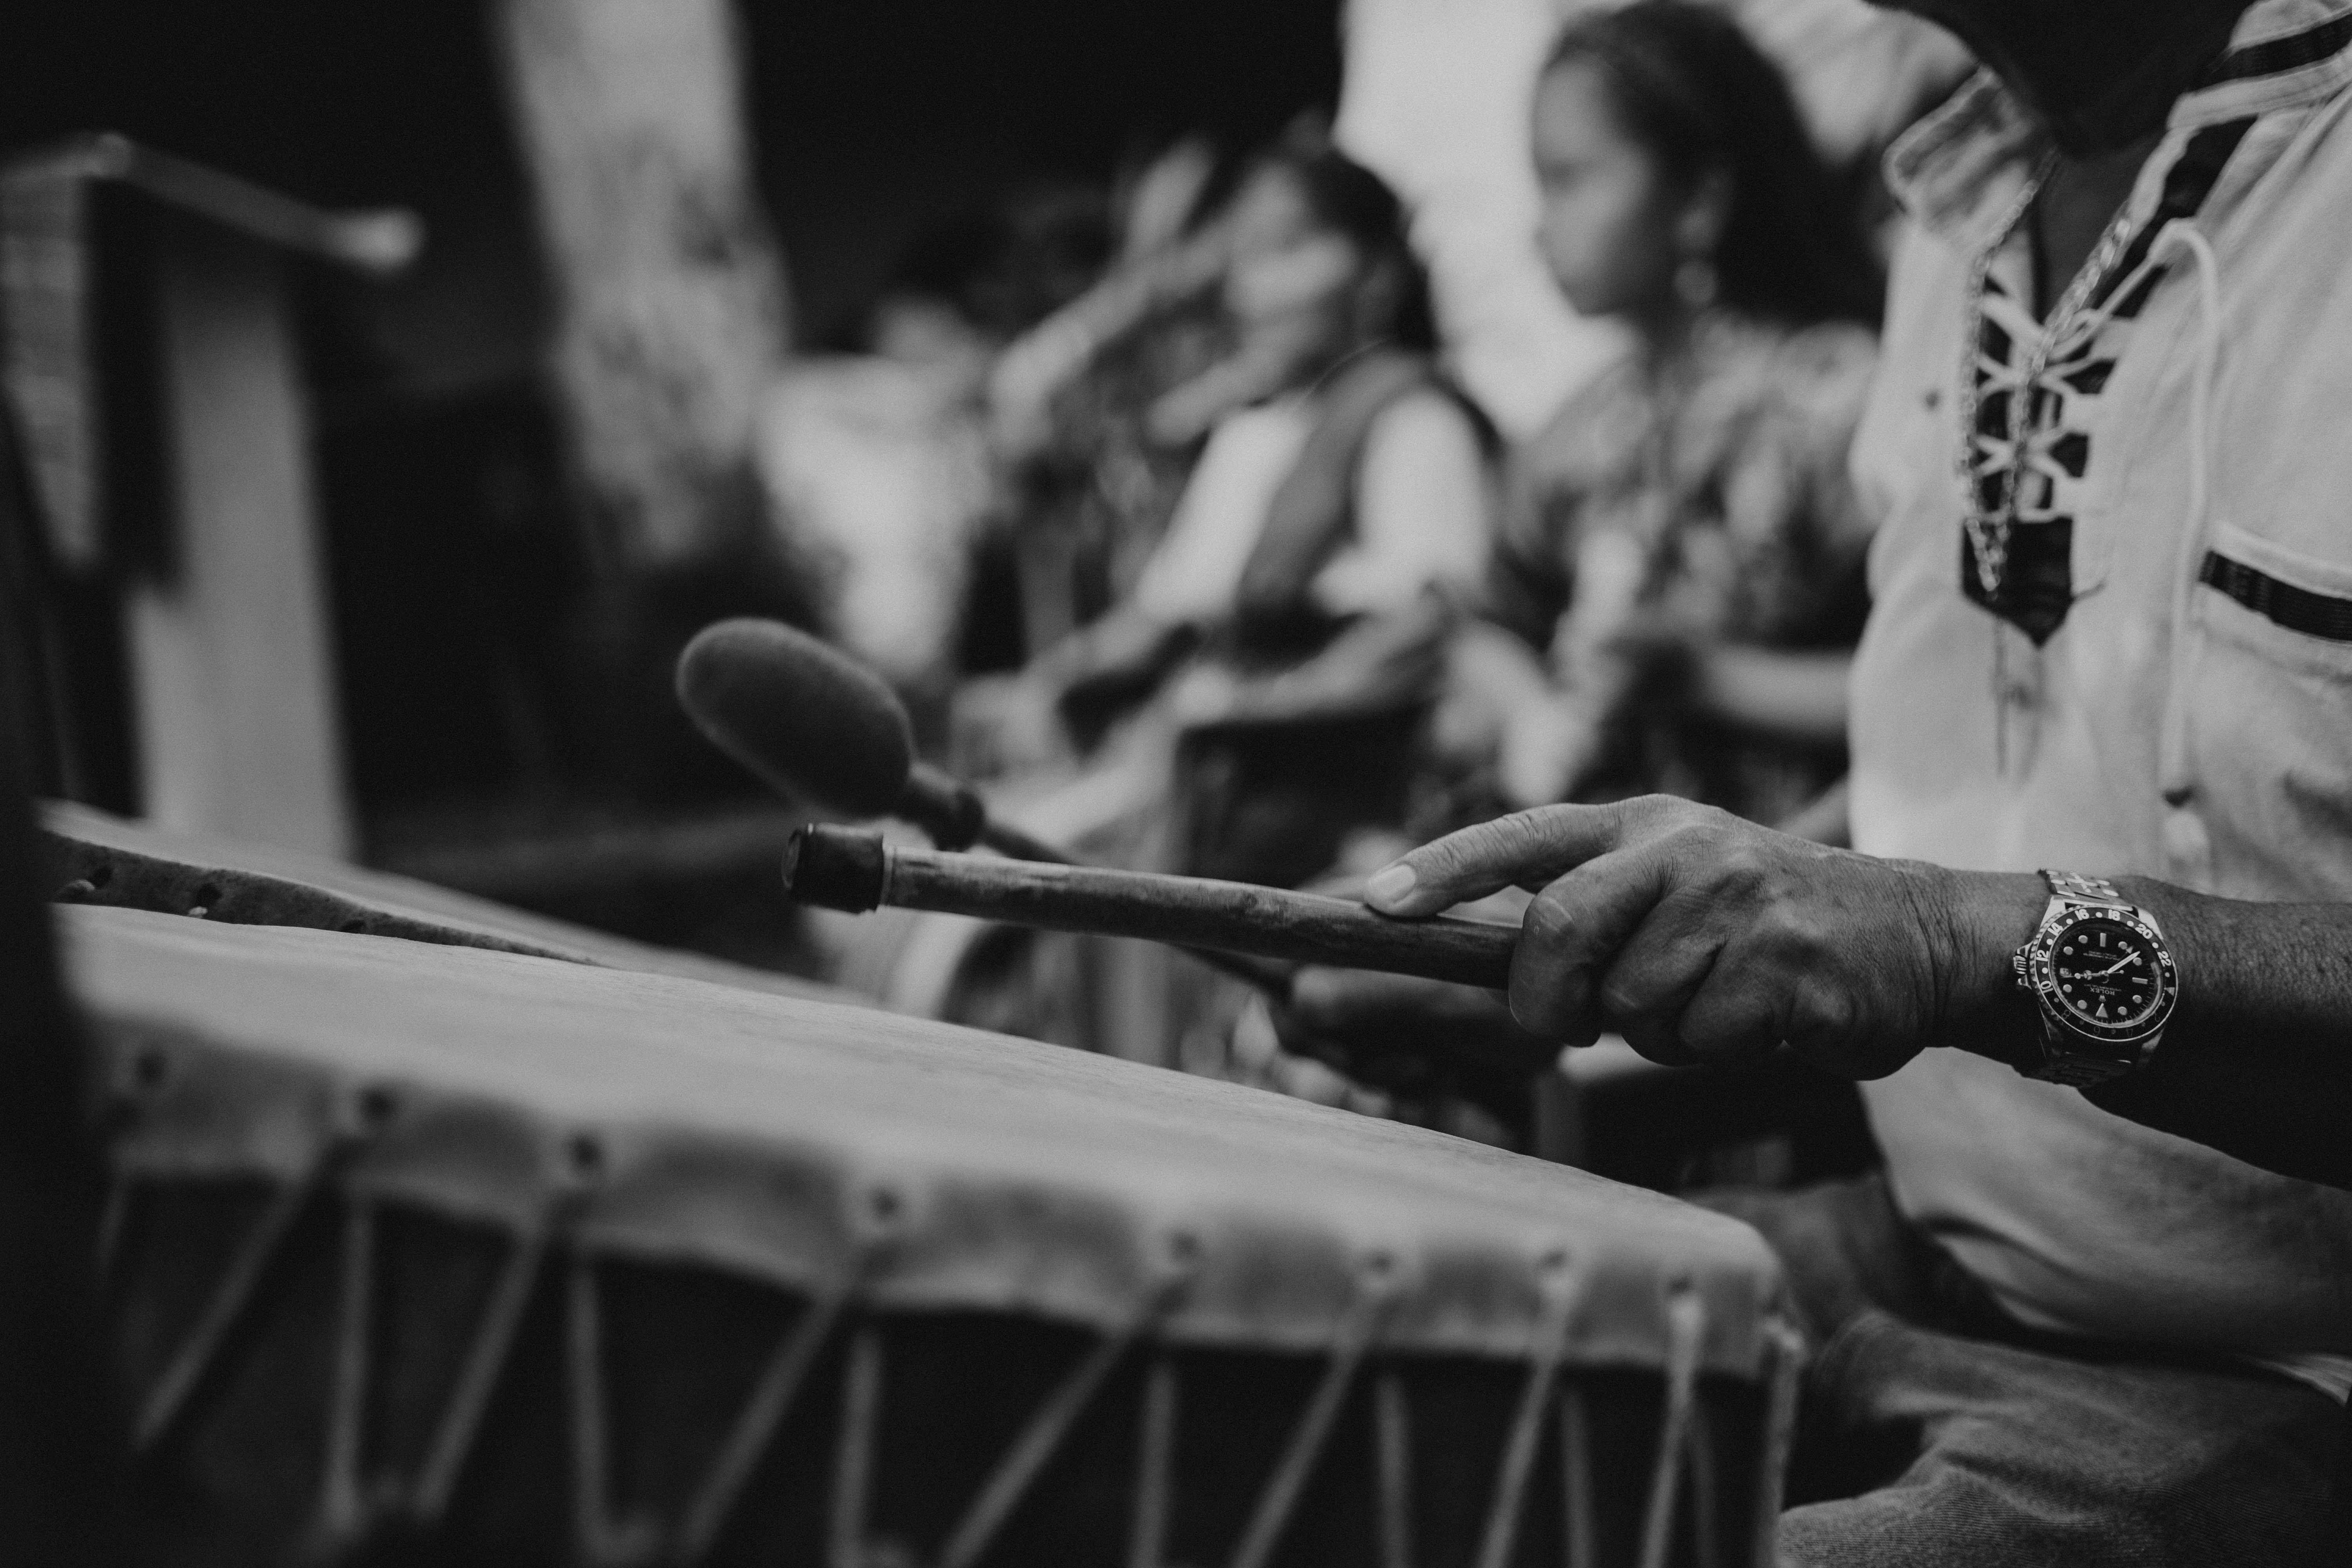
[848,869]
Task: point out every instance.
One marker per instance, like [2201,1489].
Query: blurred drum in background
[421,1253]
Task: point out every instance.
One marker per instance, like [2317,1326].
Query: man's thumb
[1529,848]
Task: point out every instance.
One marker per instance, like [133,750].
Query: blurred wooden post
[233,670]
[669,286]
[150,349]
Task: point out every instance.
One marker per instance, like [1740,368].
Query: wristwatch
[2103,978]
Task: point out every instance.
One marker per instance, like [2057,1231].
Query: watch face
[2106,975]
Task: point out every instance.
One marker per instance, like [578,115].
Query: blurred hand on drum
[1705,939]
[1403,1034]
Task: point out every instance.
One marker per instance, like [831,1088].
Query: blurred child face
[1610,218]
[1290,282]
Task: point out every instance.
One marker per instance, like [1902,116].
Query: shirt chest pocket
[2267,719]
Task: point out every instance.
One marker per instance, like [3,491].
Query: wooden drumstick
[848,869]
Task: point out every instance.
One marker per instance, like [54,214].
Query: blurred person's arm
[1792,695]
[1789,696]
[1423,513]
[1126,641]
[1378,663]
[1423,509]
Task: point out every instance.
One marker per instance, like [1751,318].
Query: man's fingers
[1572,933]
[1740,1015]
[1529,848]
[1665,959]
[1651,980]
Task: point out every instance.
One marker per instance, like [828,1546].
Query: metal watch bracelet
[2060,1062]
[2081,888]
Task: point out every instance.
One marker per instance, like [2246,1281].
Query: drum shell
[391,1284]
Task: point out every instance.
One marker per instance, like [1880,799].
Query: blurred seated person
[1678,581]
[1339,504]
[876,455]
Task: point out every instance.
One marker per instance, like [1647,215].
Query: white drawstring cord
[2173,772]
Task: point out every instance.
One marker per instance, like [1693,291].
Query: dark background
[457,567]
[870,117]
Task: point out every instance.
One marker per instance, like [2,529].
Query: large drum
[443,1255]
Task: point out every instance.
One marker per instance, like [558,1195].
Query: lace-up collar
[1959,170]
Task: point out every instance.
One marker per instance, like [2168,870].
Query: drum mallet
[817,726]
[853,869]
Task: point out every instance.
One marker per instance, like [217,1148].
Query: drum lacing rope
[1356,1335]
[2174,776]
[1155,1461]
[168,1398]
[1039,1440]
[486,1358]
[853,1463]
[1527,1425]
[997,1498]
[1392,1440]
[1583,1551]
[601,1538]
[1681,1436]
[346,1513]
[1784,1366]
[763,1414]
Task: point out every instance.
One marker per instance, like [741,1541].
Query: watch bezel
[2041,977]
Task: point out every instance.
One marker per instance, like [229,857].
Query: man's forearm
[2279,974]
[2257,1061]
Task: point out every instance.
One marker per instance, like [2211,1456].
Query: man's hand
[1702,937]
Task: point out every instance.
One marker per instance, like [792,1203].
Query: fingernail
[1391,884]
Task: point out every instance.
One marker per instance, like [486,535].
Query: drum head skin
[774,1136]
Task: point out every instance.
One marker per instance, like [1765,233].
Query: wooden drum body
[428,1254]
